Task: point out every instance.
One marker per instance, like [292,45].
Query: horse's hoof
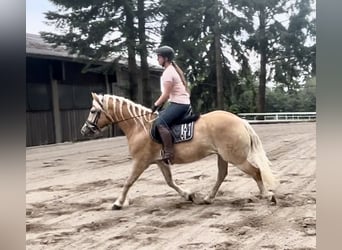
[207,201]
[273,200]
[192,197]
[198,199]
[116,207]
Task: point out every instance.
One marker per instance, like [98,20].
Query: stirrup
[167,161]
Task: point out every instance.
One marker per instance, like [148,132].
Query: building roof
[37,47]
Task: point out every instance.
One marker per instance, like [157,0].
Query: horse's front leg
[165,169]
[138,168]
[221,175]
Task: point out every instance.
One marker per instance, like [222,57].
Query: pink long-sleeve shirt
[178,92]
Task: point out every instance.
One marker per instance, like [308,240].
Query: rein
[130,119]
[93,126]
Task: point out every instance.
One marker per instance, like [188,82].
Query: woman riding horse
[174,88]
[228,136]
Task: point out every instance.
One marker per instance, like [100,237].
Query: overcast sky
[35,17]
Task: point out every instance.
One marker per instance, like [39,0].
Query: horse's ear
[95,97]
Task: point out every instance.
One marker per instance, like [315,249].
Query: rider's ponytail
[181,74]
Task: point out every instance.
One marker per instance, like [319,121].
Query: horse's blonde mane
[138,112]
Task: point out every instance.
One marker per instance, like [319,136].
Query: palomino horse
[222,133]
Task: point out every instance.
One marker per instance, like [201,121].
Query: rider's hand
[155,108]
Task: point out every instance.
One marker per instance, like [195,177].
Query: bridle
[92,125]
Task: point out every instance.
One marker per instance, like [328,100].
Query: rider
[174,88]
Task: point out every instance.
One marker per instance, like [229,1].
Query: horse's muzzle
[85,130]
[89,129]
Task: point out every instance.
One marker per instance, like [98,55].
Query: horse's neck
[130,117]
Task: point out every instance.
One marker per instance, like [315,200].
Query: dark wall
[38,88]
[74,97]
[39,116]
[75,89]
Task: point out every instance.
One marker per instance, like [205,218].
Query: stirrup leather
[166,160]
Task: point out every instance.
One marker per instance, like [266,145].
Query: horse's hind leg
[255,173]
[137,170]
[221,175]
[165,169]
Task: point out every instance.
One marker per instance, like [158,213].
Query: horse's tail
[257,157]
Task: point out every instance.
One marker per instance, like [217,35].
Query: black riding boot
[166,138]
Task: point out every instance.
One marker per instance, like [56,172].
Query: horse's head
[98,118]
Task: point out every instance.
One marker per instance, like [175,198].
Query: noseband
[92,127]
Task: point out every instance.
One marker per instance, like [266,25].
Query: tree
[281,49]
[300,100]
[208,35]
[296,58]
[308,95]
[199,30]
[142,49]
[218,56]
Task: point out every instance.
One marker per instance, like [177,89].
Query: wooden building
[58,93]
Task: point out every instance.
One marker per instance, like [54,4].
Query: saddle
[182,129]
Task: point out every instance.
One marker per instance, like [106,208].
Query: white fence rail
[279,117]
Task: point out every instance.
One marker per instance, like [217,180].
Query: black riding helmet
[166,51]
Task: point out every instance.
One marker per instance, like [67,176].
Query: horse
[219,132]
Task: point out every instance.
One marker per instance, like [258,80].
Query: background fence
[279,117]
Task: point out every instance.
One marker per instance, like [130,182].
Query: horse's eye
[93,111]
